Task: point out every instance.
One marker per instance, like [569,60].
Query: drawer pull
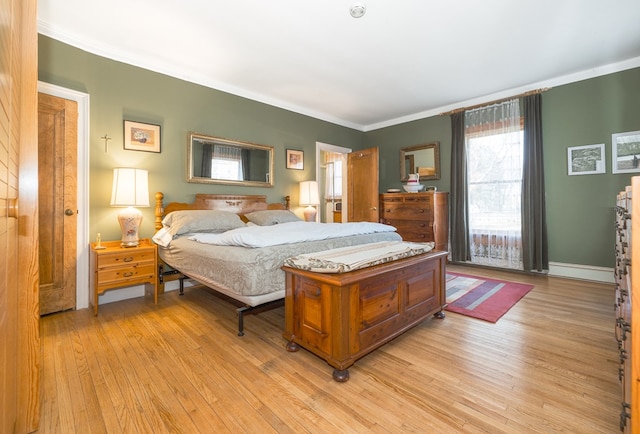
[127,274]
[127,259]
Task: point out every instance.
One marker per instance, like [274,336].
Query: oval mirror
[422,159]
[214,160]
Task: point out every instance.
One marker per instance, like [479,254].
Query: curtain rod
[461,109]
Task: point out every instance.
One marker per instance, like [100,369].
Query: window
[226,163]
[495,181]
[494,149]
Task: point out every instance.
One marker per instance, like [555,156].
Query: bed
[252,276]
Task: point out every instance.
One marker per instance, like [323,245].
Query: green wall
[579,208]
[119,91]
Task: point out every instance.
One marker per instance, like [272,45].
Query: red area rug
[482,298]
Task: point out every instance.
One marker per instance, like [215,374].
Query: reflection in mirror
[423,159]
[220,161]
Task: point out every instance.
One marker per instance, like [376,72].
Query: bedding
[250,275]
[288,233]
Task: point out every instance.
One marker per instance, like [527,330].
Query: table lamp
[130,188]
[309,198]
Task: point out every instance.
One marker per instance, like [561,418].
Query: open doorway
[331,174]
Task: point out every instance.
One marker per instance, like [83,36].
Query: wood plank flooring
[548,366]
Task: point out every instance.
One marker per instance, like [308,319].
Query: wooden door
[19,319]
[57,181]
[362,185]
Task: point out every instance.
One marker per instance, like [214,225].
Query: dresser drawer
[121,274]
[413,230]
[120,258]
[407,211]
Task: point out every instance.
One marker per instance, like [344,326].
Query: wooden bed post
[159,210]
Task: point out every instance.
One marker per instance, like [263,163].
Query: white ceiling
[403,60]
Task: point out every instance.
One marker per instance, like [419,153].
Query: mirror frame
[217,140]
[404,176]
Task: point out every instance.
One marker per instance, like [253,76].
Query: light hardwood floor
[549,365]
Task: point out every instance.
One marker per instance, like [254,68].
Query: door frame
[82,259]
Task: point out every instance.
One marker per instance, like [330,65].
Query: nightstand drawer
[121,274]
[126,258]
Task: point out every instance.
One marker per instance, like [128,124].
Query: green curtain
[459,229]
[535,254]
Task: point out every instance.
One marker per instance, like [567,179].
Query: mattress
[250,275]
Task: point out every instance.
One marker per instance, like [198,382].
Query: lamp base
[310,214]
[130,219]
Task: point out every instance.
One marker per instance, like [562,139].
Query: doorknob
[12,208]
[68,211]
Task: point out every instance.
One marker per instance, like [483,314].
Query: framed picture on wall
[141,137]
[625,149]
[586,160]
[295,159]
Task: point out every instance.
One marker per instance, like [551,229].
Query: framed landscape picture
[586,160]
[141,137]
[625,149]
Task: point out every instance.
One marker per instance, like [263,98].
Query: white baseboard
[136,291]
[585,272]
[556,269]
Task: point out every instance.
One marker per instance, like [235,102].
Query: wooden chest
[419,217]
[342,317]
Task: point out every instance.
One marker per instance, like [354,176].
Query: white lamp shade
[130,187]
[309,193]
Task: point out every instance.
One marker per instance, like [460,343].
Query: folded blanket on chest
[351,258]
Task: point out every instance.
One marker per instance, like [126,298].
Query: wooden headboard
[237,203]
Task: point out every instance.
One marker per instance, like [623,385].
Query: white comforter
[286,233]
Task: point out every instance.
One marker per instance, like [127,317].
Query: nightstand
[115,267]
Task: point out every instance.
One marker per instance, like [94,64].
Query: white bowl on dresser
[413,188]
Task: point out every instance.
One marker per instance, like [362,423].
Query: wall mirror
[423,159]
[213,160]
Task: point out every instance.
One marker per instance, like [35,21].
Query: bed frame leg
[182,284]
[241,311]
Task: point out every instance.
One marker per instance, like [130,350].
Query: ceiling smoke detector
[357,10]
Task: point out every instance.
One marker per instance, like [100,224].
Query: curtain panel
[459,230]
[535,254]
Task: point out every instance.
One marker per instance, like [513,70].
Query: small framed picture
[141,137]
[295,159]
[586,160]
[625,149]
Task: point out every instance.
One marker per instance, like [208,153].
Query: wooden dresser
[418,217]
[627,303]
